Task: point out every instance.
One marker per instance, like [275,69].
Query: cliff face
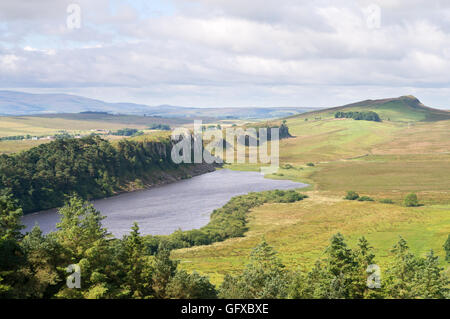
[157,165]
[42,177]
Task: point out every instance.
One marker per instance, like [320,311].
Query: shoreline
[181,173]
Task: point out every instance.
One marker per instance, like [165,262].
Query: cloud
[229,52]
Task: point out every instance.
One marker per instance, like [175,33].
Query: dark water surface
[161,210]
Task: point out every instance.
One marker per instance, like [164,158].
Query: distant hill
[21,103]
[404,108]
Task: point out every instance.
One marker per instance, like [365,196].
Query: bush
[411,200]
[365,199]
[351,195]
[447,249]
[386,201]
[310,164]
[162,127]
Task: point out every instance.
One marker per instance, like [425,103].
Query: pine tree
[164,270]
[44,255]
[447,249]
[137,266]
[264,277]
[10,219]
[190,286]
[12,256]
[414,277]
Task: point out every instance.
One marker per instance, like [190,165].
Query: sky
[228,53]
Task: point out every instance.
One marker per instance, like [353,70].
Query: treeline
[42,177]
[34,266]
[127,132]
[255,140]
[283,130]
[162,127]
[359,116]
[341,273]
[15,138]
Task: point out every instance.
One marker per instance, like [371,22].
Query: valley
[385,160]
[408,151]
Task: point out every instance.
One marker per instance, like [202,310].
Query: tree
[190,286]
[341,274]
[410,277]
[342,264]
[80,227]
[136,265]
[263,278]
[164,271]
[10,218]
[44,256]
[411,200]
[12,256]
[447,249]
[84,242]
[351,195]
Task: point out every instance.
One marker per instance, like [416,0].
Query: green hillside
[409,151]
[401,109]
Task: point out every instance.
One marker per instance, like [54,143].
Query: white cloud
[230,52]
[9,62]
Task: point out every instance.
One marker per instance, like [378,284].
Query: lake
[161,210]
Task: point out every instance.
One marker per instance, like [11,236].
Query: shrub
[387,201]
[365,199]
[162,127]
[351,195]
[411,200]
[447,249]
[310,164]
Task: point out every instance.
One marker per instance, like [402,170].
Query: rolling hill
[21,103]
[401,109]
[409,151]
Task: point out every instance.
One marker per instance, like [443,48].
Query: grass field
[11,126]
[385,160]
[300,232]
[83,124]
[8,147]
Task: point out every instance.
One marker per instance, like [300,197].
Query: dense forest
[359,116]
[91,167]
[35,265]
